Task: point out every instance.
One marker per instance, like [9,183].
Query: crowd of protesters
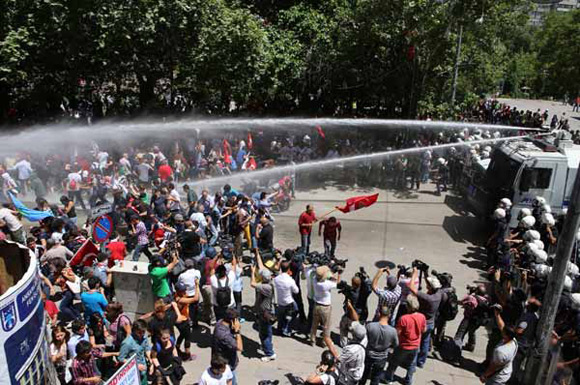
[202,247]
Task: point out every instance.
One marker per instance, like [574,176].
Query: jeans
[329,246]
[238,299]
[139,249]
[234,378]
[67,310]
[285,316]
[305,242]
[468,326]
[207,307]
[184,334]
[373,370]
[311,305]
[77,197]
[265,332]
[425,345]
[404,358]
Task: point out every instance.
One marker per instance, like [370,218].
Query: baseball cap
[266,274]
[434,283]
[358,331]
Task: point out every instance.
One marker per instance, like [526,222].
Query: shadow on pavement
[463,229]
[476,258]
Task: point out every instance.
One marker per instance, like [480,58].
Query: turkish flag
[320,132]
[250,143]
[227,152]
[85,255]
[360,202]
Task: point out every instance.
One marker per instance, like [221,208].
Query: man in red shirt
[117,249]
[332,230]
[409,329]
[305,222]
[164,172]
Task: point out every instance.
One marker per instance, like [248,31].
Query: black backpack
[223,295]
[450,307]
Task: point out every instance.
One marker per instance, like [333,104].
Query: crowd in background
[202,248]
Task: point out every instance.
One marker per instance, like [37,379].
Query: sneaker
[242,320]
[268,358]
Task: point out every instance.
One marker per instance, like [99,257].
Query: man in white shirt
[285,287]
[16,229]
[220,279]
[24,171]
[219,373]
[174,204]
[199,217]
[323,284]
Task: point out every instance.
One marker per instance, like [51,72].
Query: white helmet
[507,203]
[541,270]
[540,256]
[484,154]
[539,201]
[575,299]
[499,214]
[530,248]
[441,161]
[548,219]
[546,208]
[568,283]
[528,222]
[578,235]
[573,269]
[539,243]
[531,235]
[525,212]
[487,148]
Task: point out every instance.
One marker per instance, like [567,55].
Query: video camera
[345,289]
[444,278]
[420,265]
[335,264]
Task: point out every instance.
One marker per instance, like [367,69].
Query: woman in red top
[409,328]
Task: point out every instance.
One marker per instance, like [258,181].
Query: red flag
[252,164]
[320,132]
[360,202]
[227,152]
[85,255]
[250,143]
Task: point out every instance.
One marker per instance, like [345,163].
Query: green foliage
[387,58]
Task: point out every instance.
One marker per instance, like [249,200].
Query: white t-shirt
[214,286]
[175,195]
[187,278]
[327,379]
[322,291]
[285,286]
[208,378]
[77,179]
[199,218]
[11,221]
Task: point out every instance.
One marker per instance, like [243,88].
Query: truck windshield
[501,173]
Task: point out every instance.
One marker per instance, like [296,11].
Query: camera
[444,278]
[362,274]
[335,264]
[420,265]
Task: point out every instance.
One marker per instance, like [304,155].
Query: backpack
[121,333]
[223,295]
[72,185]
[449,309]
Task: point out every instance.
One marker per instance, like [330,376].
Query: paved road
[400,229]
[554,107]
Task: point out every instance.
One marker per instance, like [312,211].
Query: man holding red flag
[332,230]
[305,223]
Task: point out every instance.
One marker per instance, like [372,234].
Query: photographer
[352,358]
[475,309]
[326,371]
[285,287]
[356,295]
[429,304]
[158,272]
[448,307]
[323,285]
[227,340]
[389,296]
[499,370]
[264,310]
